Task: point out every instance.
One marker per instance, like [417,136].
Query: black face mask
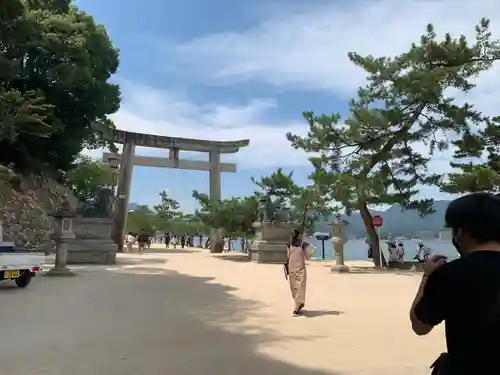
[457,246]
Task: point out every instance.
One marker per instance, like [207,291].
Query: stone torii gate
[127,160]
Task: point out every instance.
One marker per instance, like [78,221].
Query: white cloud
[302,47]
[307,47]
[153,111]
[150,110]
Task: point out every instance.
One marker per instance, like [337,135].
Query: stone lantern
[63,232]
[338,239]
[114,165]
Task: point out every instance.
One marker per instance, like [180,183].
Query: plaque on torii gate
[128,159]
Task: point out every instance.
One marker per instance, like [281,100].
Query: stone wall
[25,202]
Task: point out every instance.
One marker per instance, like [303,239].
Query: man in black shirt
[167,240]
[465,293]
[142,240]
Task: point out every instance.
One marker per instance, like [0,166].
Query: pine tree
[474,147]
[396,123]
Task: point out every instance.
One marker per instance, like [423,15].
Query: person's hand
[434,262]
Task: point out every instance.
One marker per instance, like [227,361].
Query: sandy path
[189,313]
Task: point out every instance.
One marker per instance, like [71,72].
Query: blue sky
[227,70]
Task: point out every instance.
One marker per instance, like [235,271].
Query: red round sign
[377,221]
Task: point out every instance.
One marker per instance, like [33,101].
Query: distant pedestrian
[370,249]
[167,240]
[142,240]
[130,240]
[393,254]
[173,242]
[420,252]
[401,252]
[427,252]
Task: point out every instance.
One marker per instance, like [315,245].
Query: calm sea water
[358,249]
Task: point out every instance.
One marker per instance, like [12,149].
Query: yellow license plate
[14,274]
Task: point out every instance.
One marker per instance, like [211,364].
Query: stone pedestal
[338,240]
[60,271]
[269,245]
[92,242]
[340,268]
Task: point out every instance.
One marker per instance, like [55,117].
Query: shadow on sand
[142,260]
[233,257]
[377,271]
[179,250]
[129,321]
[316,313]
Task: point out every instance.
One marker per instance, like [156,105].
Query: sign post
[378,221]
[322,237]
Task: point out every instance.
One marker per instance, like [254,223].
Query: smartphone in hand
[438,258]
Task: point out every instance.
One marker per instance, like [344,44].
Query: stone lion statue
[270,211]
[101,206]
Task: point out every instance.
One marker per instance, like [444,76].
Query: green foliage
[279,187]
[151,221]
[142,218]
[278,184]
[483,144]
[166,211]
[305,205]
[87,177]
[234,215]
[54,91]
[188,223]
[397,122]
[473,178]
[178,223]
[309,206]
[374,156]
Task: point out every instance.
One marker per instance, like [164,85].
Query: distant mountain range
[397,222]
[132,206]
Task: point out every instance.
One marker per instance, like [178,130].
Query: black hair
[295,240]
[478,214]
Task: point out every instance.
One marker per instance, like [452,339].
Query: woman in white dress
[129,240]
[174,242]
